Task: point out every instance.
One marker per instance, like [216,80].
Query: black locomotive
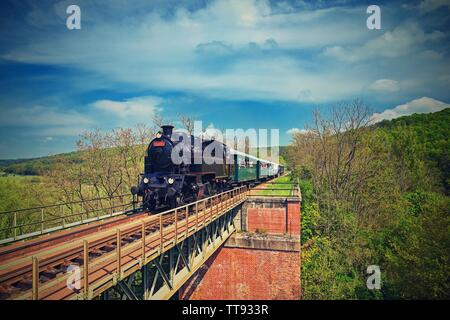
[195,173]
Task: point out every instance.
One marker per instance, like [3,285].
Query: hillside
[36,166]
[431,132]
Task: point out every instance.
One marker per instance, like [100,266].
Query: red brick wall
[275,220]
[293,217]
[243,274]
[272,220]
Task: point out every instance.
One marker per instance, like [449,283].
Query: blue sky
[235,64]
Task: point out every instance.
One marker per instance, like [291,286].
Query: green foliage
[310,211]
[415,252]
[400,222]
[15,192]
[327,273]
[18,192]
[416,202]
[432,134]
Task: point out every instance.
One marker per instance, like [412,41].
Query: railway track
[101,247]
[14,267]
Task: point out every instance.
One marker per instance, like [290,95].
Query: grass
[286,182]
[4,177]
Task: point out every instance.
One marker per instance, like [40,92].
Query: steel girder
[162,277]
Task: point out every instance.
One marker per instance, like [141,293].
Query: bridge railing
[29,222]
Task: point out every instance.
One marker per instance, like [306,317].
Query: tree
[188,123]
[111,163]
[335,151]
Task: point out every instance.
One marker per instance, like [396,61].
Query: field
[18,191]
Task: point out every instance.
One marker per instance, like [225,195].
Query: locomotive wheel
[149,202]
[212,189]
[176,201]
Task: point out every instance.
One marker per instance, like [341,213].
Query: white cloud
[214,48]
[422,105]
[430,5]
[153,51]
[431,55]
[139,107]
[61,131]
[246,49]
[46,122]
[40,116]
[445,78]
[293,131]
[385,85]
[401,41]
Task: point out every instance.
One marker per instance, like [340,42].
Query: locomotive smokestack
[167,130]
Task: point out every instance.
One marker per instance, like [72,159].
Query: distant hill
[432,132]
[35,166]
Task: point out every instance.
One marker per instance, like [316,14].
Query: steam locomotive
[169,183]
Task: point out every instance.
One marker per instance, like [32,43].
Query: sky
[234,64]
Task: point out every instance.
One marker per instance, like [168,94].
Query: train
[169,183]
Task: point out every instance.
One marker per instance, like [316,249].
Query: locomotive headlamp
[146,180]
[171,180]
[159,134]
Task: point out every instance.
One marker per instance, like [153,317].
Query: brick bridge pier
[259,261]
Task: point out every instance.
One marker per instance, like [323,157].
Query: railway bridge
[86,250]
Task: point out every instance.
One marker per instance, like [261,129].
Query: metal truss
[163,276]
